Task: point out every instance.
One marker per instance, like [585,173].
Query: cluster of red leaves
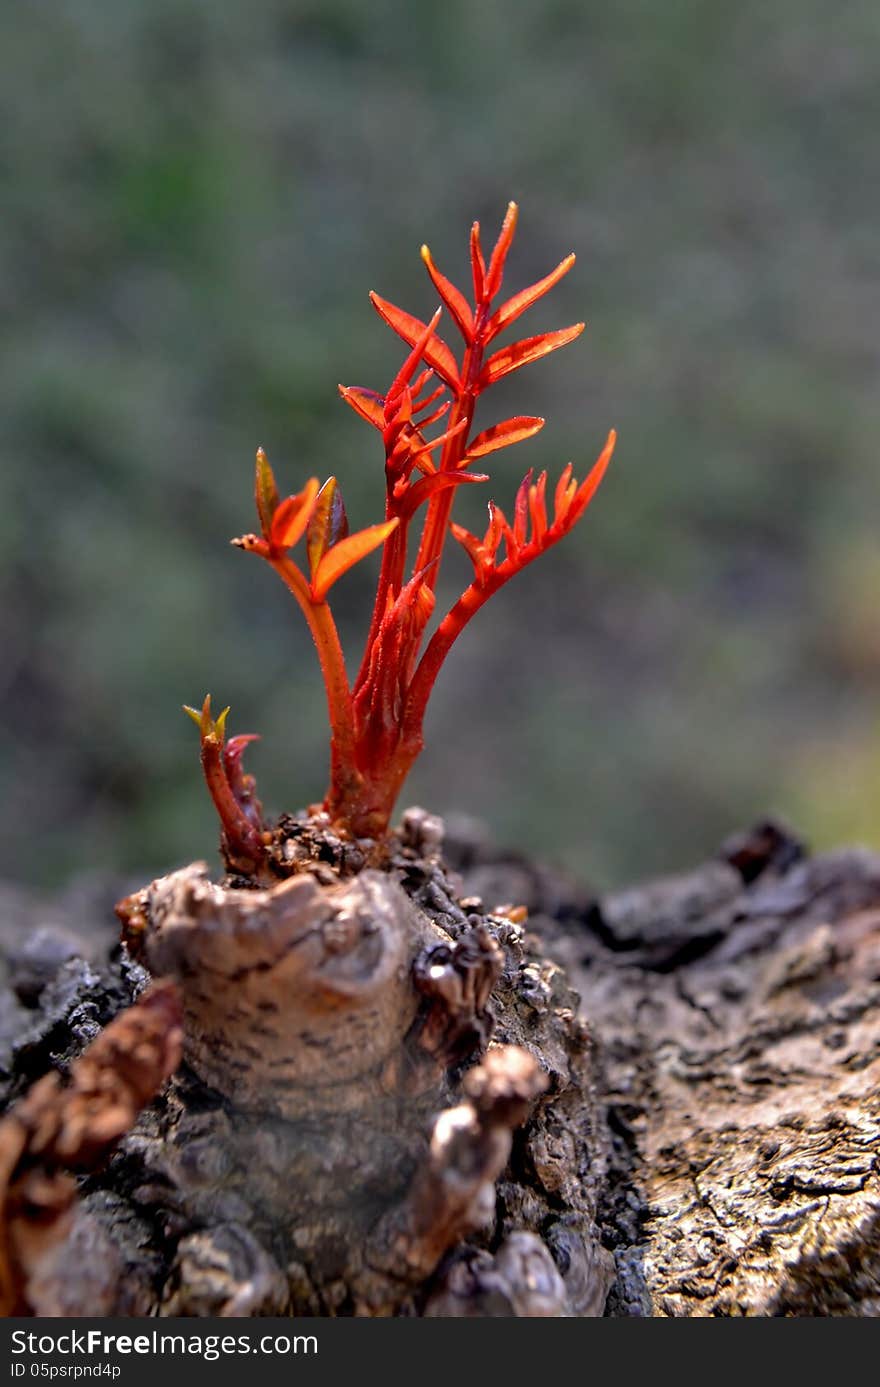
[376,722]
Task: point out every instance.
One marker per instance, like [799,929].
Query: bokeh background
[196,198]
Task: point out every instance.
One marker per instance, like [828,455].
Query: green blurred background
[196,198]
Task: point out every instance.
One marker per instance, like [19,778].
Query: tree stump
[392,1101]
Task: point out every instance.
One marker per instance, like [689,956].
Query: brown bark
[58,1129]
[738,1008]
[336,1126]
[393,1102]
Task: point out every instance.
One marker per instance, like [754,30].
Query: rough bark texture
[738,1012]
[698,1137]
[62,1127]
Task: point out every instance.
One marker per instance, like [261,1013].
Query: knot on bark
[453,1193]
[503,1088]
[297,998]
[457,981]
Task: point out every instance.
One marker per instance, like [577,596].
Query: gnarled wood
[706,1144]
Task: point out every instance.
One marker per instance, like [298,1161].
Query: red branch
[376,722]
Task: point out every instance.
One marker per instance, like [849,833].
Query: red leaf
[345,554]
[469,543]
[328,525]
[436,354]
[427,487]
[514,307]
[398,407]
[521,511]
[495,272]
[502,435]
[421,381]
[590,485]
[429,399]
[413,361]
[235,747]
[293,515]
[453,298]
[538,508]
[498,529]
[242,785]
[478,264]
[265,492]
[435,414]
[428,445]
[565,489]
[518,354]
[475,551]
[366,403]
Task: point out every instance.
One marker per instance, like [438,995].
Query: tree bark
[392,1101]
[737,1009]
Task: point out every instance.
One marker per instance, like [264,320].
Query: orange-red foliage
[376,721]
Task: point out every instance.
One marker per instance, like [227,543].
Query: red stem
[450,628]
[390,581]
[396,761]
[343,761]
[440,506]
[244,841]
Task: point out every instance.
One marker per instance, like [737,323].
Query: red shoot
[376,722]
[234,793]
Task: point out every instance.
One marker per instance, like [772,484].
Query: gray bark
[738,1012]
